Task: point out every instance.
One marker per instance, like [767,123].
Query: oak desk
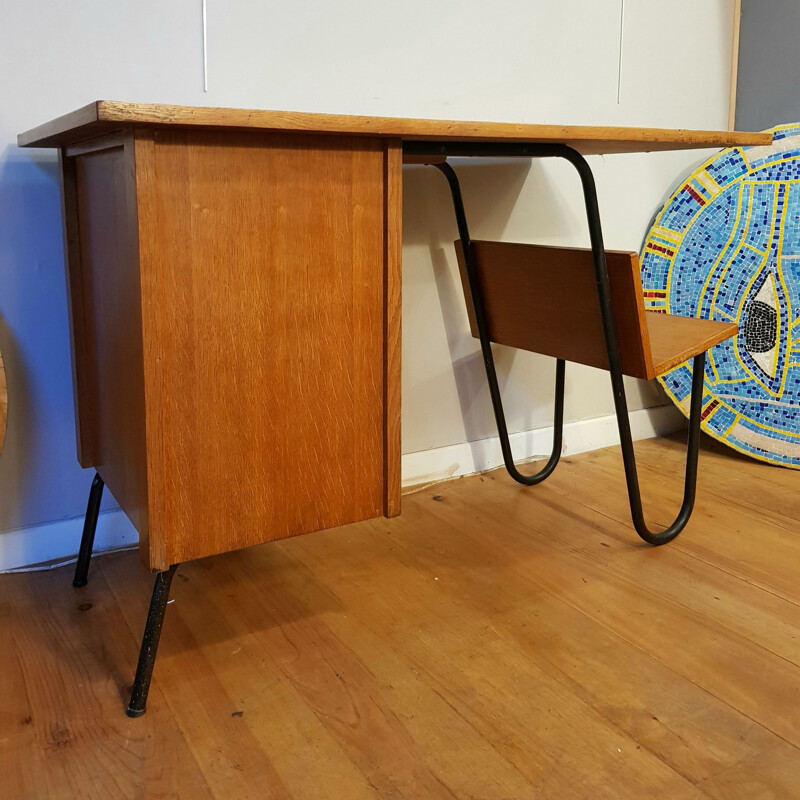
[234,280]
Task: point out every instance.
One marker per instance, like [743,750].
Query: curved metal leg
[558,429]
[494,149]
[617,383]
[89,528]
[690,479]
[488,357]
[149,649]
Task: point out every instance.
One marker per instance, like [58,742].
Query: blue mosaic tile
[726,246]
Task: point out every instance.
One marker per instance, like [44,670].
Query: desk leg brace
[612,342]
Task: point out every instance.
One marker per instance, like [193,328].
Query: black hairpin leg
[488,357]
[609,329]
[155,615]
[89,528]
[617,382]
[149,649]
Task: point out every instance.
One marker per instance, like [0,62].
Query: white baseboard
[468,458]
[59,541]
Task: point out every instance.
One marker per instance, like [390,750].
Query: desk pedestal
[235,311]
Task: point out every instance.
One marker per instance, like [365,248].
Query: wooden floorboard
[495,641]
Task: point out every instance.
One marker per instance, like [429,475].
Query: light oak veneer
[544,299]
[495,642]
[235,312]
[104,115]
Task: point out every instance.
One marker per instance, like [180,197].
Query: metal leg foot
[152,633]
[89,528]
[690,480]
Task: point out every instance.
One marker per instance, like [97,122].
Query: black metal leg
[488,357]
[149,649]
[89,528]
[493,149]
[617,382]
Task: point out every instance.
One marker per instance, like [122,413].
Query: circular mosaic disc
[726,246]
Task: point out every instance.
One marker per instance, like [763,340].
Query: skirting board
[581,436]
[58,541]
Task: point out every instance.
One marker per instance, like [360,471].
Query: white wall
[515,60]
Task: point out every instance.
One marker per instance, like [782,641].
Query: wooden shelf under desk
[544,299]
[675,339]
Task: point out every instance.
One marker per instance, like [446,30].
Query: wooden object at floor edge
[3,403]
[235,313]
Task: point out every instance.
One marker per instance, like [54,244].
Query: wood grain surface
[104,115]
[494,642]
[266,265]
[3,403]
[83,388]
[675,339]
[393,340]
[544,299]
[106,319]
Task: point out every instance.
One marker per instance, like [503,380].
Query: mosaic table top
[726,246]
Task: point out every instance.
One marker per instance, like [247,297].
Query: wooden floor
[493,642]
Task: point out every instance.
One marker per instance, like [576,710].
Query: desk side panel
[263,273]
[393,216]
[83,373]
[105,312]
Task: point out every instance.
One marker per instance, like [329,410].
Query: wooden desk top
[103,116]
